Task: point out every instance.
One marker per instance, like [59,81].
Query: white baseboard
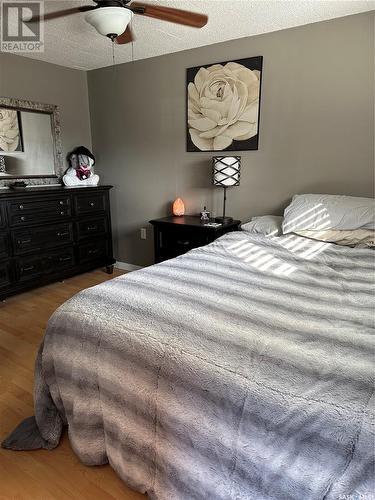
[126,267]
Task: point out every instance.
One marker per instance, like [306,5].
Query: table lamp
[226,173]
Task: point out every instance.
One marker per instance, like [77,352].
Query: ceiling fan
[111,18]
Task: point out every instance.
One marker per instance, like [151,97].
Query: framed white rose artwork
[223,103]
[10,131]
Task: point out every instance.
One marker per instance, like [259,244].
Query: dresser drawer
[4,274]
[4,246]
[2,215]
[93,251]
[59,259]
[92,227]
[41,205]
[90,203]
[36,265]
[31,212]
[38,238]
[29,267]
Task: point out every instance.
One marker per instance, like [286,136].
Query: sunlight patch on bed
[304,248]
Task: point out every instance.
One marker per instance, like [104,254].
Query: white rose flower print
[223,106]
[9,130]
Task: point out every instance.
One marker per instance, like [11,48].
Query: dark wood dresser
[50,233]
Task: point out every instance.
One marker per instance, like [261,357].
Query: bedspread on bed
[241,370]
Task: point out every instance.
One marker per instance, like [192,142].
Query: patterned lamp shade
[2,165]
[226,170]
[226,173]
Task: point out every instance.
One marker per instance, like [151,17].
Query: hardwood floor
[41,474]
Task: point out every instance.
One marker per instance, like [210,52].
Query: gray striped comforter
[241,370]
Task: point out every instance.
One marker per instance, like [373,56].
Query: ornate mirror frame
[54,112]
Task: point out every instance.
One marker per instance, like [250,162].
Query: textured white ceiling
[72,42]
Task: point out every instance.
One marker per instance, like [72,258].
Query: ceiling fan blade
[126,37]
[169,14]
[61,13]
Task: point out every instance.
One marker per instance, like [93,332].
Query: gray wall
[316,131]
[25,78]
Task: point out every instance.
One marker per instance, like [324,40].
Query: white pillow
[269,225]
[324,211]
[356,238]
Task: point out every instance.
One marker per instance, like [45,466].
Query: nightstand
[174,236]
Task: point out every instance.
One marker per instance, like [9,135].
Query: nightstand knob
[21,207]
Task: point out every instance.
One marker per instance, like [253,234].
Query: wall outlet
[143,233]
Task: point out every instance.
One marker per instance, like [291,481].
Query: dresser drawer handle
[92,204]
[63,234]
[92,228]
[25,269]
[91,252]
[61,202]
[21,207]
[184,243]
[65,259]
[62,213]
[22,219]
[23,242]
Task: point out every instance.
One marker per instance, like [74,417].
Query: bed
[240,370]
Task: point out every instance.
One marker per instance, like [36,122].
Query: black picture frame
[251,144]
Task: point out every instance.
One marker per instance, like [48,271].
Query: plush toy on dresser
[80,172]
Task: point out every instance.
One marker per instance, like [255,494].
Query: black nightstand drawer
[182,238]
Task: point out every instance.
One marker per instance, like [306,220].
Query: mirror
[30,145]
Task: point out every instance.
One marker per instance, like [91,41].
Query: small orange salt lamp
[178,207]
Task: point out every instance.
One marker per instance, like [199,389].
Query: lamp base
[224,220]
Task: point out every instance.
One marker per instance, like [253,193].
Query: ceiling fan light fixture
[110,21]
